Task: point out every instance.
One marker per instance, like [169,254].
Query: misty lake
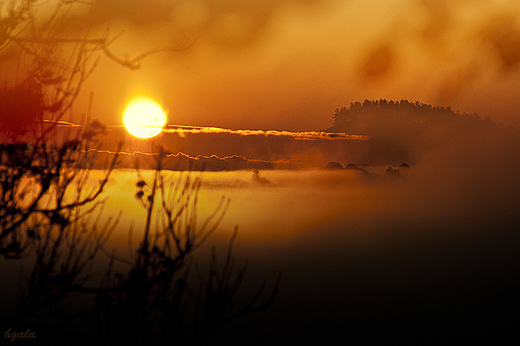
[363,257]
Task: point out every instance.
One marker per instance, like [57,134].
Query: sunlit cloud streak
[60,123]
[181,154]
[181,130]
[196,158]
[181,161]
[305,135]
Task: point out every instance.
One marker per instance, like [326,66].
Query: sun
[144,119]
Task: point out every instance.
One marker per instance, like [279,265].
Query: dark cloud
[224,23]
[503,34]
[378,62]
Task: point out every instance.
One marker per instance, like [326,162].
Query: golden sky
[287,65]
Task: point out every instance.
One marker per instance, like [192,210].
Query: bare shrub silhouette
[37,162]
[154,303]
[53,51]
[54,226]
[51,212]
[55,222]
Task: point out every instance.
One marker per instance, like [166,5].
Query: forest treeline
[378,117]
[404,130]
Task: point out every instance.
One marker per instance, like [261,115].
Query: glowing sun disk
[144,119]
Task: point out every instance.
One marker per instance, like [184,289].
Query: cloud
[304,135]
[503,34]
[288,64]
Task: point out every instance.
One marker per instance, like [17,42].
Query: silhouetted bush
[50,211]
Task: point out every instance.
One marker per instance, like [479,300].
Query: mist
[428,258]
[391,221]
[428,255]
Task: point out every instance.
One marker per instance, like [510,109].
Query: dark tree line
[372,117]
[404,131]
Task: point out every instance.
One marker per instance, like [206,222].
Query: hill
[403,130]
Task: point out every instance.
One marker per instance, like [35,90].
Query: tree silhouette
[53,58]
[404,130]
[37,161]
[36,164]
[51,211]
[373,116]
[154,303]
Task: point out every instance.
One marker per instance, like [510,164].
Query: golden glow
[144,119]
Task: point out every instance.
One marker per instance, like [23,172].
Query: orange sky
[287,65]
